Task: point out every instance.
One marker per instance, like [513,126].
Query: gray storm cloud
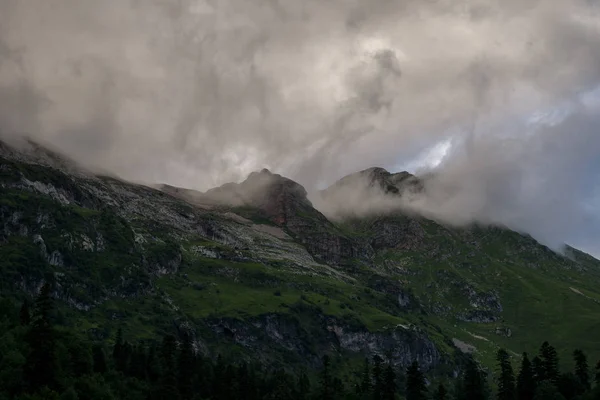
[198,93]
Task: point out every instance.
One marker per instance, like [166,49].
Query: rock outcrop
[285,203]
[401,345]
[379,180]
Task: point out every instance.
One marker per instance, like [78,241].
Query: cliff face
[254,266]
[284,203]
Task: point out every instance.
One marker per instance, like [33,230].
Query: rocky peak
[258,190]
[374,181]
[284,202]
[31,152]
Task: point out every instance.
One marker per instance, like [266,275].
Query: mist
[199,93]
[544,183]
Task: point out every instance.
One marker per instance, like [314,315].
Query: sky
[497,97]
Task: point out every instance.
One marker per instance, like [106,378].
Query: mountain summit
[369,192]
[254,269]
[377,179]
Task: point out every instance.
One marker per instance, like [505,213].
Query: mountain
[256,271]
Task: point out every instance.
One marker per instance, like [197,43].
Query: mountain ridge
[270,275]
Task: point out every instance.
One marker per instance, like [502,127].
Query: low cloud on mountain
[198,93]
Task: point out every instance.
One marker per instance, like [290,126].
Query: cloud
[539,184]
[197,93]
[539,179]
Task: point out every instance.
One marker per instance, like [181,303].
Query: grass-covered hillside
[274,280]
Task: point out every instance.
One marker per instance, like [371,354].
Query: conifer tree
[458,391]
[303,386]
[244,386]
[582,370]
[474,384]
[69,394]
[526,380]
[338,389]
[186,362]
[167,388]
[80,357]
[365,383]
[326,389]
[281,387]
[119,351]
[569,385]
[539,371]
[41,367]
[229,380]
[597,376]
[549,359]
[219,382]
[415,383]
[99,357]
[546,390]
[441,393]
[125,360]
[24,314]
[377,377]
[506,379]
[137,362]
[389,382]
[152,364]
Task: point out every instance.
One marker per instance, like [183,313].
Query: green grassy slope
[134,257]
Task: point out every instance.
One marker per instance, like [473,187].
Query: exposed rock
[282,331]
[48,190]
[285,203]
[56,259]
[100,243]
[371,192]
[37,239]
[503,331]
[403,346]
[379,180]
[478,316]
[403,299]
[204,251]
[167,266]
[402,233]
[86,243]
[464,347]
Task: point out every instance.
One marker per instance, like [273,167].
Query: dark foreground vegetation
[39,360]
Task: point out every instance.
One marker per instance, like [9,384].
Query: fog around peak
[198,93]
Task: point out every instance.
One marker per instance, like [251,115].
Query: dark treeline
[39,360]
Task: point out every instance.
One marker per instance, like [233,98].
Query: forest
[39,359]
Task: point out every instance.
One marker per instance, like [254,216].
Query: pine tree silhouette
[389,382]
[582,370]
[526,380]
[441,393]
[24,314]
[365,383]
[474,384]
[549,359]
[99,356]
[539,370]
[186,362]
[506,379]
[377,377]
[326,381]
[167,388]
[41,368]
[415,383]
